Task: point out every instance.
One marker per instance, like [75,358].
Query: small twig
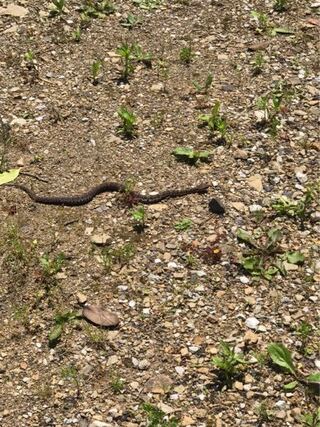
[34,176]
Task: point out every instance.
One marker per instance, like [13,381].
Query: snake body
[108,186]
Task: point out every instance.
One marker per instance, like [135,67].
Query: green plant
[130,21]
[60,320]
[57,8]
[117,384]
[262,21]
[215,121]
[186,55]
[263,260]
[21,314]
[311,419]
[203,87]
[280,5]
[228,362]
[147,4]
[263,412]
[50,267]
[129,54]
[95,71]
[71,372]
[183,225]
[282,357]
[97,8]
[29,56]
[139,218]
[76,34]
[304,331]
[157,418]
[190,155]
[129,120]
[120,255]
[299,209]
[258,63]
[5,142]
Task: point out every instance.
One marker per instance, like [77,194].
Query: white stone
[252,323]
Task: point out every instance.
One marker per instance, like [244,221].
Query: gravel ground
[180,282]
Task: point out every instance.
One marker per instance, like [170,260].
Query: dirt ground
[177,279]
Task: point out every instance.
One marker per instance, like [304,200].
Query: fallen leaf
[314,21]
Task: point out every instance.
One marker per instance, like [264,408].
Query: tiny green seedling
[304,331]
[203,87]
[147,4]
[76,34]
[29,56]
[215,122]
[190,155]
[186,55]
[157,418]
[282,357]
[263,412]
[129,120]
[129,54]
[97,9]
[51,266]
[60,321]
[262,21]
[139,218]
[57,8]
[71,373]
[183,225]
[258,63]
[95,71]
[121,255]
[130,21]
[229,363]
[311,419]
[117,384]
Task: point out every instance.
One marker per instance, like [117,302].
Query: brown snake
[107,186]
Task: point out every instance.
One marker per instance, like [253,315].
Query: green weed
[186,55]
[157,418]
[147,4]
[215,122]
[183,225]
[97,9]
[190,155]
[263,260]
[129,120]
[95,71]
[5,142]
[205,86]
[139,218]
[71,372]
[228,362]
[57,8]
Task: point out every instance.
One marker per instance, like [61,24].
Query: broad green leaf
[290,386]
[282,30]
[281,356]
[189,153]
[295,257]
[9,176]
[315,377]
[274,235]
[246,237]
[55,333]
[270,272]
[253,264]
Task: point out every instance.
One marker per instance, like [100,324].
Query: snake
[107,186]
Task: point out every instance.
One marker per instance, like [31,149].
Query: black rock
[216,207]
